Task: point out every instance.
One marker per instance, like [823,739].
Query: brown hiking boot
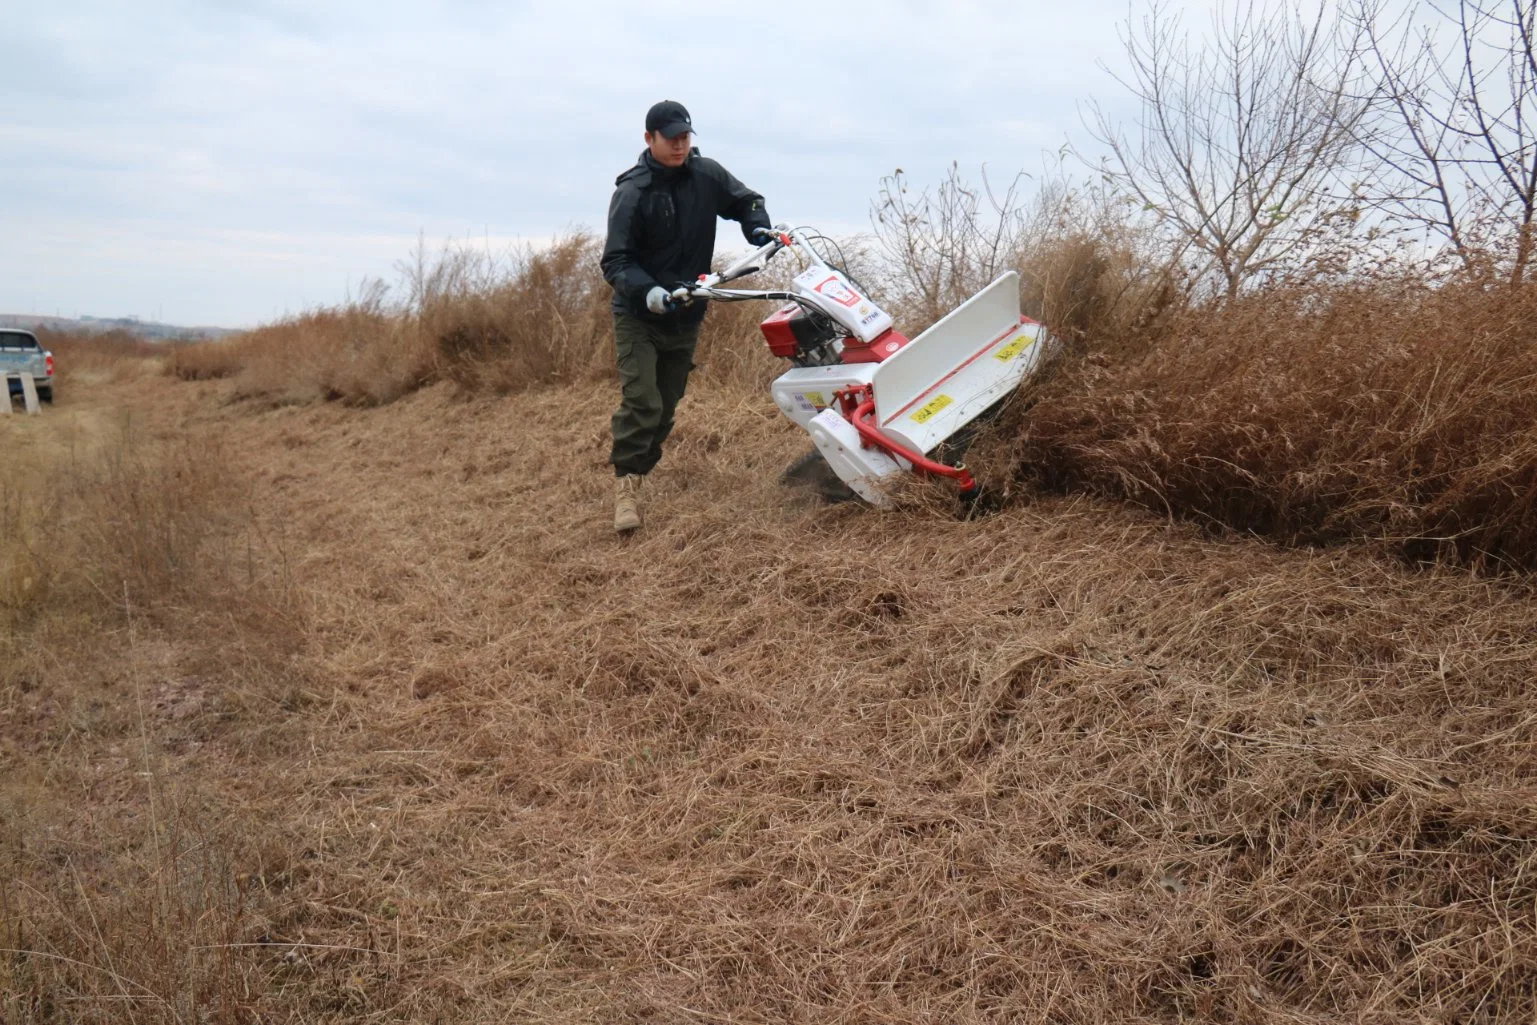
[626,511]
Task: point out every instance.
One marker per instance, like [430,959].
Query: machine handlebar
[708,285]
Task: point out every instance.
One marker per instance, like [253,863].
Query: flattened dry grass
[776,761]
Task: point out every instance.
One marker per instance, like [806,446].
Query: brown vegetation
[101,356]
[541,319]
[1392,412]
[435,746]
[312,714]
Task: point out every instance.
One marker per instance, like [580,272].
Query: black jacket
[661,229]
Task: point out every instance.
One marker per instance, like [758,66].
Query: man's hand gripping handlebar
[776,238]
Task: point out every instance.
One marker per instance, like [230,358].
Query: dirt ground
[433,744]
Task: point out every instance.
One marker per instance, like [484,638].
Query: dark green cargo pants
[654,361]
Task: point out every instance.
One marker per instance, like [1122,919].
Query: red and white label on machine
[835,289]
[843,302]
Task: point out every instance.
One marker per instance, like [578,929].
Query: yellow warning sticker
[928,409]
[1013,349]
[816,399]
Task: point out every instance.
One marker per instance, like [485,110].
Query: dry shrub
[1088,269]
[1385,410]
[939,247]
[206,361]
[1094,290]
[363,352]
[540,319]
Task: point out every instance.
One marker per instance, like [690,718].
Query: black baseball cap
[670,118]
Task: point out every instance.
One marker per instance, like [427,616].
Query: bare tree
[1239,141]
[1457,149]
[942,246]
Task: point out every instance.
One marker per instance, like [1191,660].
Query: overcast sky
[226,162]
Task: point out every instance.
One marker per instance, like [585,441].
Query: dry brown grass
[207,360]
[109,355]
[380,722]
[1386,410]
[363,353]
[769,760]
[128,559]
[545,319]
[538,318]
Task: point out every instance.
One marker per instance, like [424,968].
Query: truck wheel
[46,394]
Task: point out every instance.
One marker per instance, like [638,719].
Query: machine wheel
[811,471]
[46,394]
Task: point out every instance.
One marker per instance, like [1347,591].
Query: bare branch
[1239,143]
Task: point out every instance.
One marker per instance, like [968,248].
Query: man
[661,234]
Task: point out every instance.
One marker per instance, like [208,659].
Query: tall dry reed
[1388,409]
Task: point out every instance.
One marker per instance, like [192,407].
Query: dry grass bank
[378,721]
[771,761]
[1383,410]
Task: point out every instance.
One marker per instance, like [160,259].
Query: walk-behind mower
[875,402]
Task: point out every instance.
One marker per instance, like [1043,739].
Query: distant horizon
[91,323]
[127,318]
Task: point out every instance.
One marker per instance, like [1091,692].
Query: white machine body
[836,296]
[924,392]
[804,392]
[900,400]
[949,375]
[858,466]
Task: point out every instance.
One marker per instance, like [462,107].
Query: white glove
[658,301]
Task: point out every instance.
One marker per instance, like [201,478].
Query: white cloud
[225,162]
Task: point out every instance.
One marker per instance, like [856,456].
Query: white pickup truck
[22,353]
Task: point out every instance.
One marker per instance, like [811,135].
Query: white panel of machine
[966,393]
[838,297]
[804,392]
[983,321]
[859,467]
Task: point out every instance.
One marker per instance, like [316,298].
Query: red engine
[796,333]
[784,329]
